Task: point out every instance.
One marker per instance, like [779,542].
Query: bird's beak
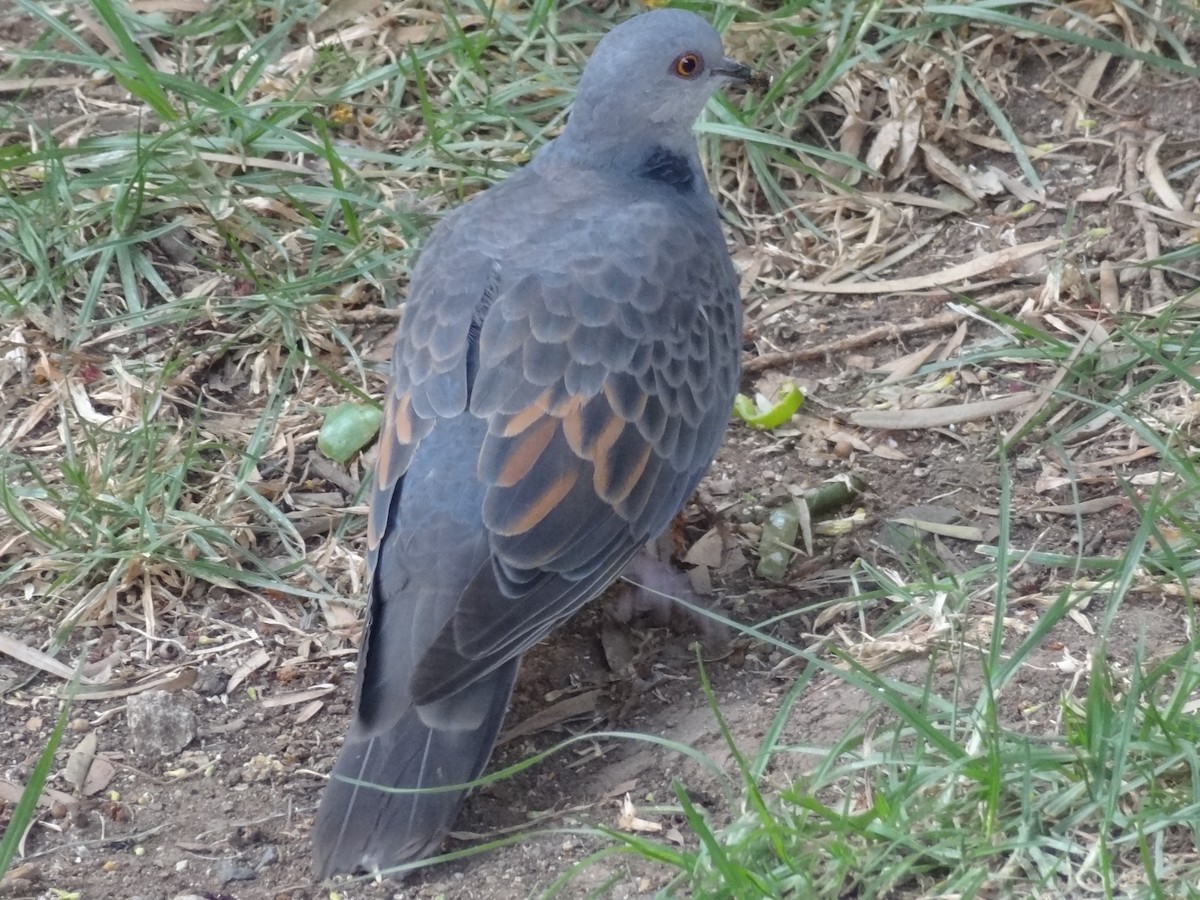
[733,70]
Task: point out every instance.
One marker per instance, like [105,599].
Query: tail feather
[361,828]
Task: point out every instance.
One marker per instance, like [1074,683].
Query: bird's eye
[688,65]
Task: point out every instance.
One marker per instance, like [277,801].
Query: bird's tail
[361,828]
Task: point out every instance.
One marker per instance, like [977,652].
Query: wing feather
[603,385]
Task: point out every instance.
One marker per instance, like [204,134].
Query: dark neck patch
[670,168]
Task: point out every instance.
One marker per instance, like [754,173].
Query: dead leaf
[709,550]
[940,417]
[294,697]
[629,820]
[887,451]
[563,711]
[257,660]
[1069,665]
[341,616]
[83,404]
[1157,180]
[1082,508]
[30,656]
[80,760]
[1000,259]
[901,368]
[1082,621]
[887,140]
[11,791]
[339,11]
[960,532]
[618,648]
[1098,195]
[178,679]
[973,183]
[99,775]
[308,712]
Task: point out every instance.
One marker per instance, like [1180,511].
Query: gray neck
[665,157]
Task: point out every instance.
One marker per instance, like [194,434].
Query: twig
[871,336]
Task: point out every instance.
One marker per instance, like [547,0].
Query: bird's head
[648,80]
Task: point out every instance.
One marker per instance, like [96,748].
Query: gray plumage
[562,378]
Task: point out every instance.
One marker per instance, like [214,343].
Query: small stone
[227,870]
[270,856]
[160,724]
[210,681]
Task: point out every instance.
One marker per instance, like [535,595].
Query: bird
[562,377]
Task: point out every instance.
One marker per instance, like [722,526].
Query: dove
[562,376]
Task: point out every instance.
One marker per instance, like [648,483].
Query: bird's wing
[606,378]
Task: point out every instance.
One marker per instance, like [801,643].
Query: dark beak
[733,70]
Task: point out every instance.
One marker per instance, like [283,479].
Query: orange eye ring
[688,65]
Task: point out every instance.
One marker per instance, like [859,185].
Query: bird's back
[607,287]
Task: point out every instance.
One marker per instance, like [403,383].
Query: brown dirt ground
[246,788]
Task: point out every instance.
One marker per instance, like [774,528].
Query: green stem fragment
[765,415]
